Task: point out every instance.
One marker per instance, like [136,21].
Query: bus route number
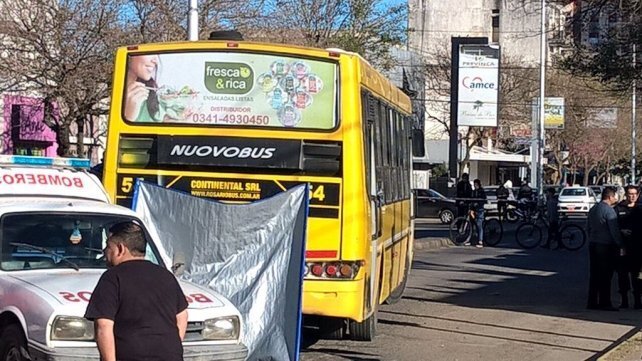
[317,192]
[127,184]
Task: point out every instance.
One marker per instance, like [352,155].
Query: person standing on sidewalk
[464,191]
[502,198]
[479,199]
[605,242]
[628,267]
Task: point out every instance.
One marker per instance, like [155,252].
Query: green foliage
[440,170]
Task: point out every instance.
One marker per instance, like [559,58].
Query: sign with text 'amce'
[253,254]
[230,152]
[478,85]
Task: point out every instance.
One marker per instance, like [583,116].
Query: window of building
[495,25]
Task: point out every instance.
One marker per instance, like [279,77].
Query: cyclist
[502,197]
[553,218]
[525,197]
[477,206]
[464,191]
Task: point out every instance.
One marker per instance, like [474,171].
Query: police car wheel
[12,344]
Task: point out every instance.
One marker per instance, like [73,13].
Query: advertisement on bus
[234,89]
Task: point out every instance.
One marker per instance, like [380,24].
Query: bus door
[374,191]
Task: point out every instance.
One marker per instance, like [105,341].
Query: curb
[432,243]
[628,349]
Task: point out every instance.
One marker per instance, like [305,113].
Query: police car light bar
[44,161]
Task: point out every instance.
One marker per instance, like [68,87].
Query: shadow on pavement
[538,281]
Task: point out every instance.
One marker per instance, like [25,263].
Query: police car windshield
[46,241]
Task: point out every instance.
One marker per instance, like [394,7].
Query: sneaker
[466,243]
[479,245]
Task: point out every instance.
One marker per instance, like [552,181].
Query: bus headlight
[69,328]
[221,328]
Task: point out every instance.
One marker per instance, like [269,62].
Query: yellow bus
[239,121]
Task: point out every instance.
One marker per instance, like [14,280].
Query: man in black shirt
[138,308]
[628,266]
[464,191]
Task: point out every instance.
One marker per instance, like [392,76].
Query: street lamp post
[542,93]
[192,21]
[633,150]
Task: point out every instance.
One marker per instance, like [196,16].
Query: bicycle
[519,210]
[463,228]
[530,234]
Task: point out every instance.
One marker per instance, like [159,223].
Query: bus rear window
[231,89]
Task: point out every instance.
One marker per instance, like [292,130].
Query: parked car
[576,201]
[432,204]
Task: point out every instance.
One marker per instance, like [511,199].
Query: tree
[62,51]
[610,59]
[367,27]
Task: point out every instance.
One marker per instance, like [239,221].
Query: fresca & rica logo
[228,78]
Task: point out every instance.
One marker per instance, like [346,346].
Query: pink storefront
[25,131]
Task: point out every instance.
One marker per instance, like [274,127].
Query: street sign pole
[633,101]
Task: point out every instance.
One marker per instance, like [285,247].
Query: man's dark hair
[131,235]
[464,176]
[607,193]
[477,181]
[551,191]
[631,187]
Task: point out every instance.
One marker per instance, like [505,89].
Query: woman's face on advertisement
[144,66]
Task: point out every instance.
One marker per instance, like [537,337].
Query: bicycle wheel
[572,237]
[493,232]
[528,235]
[461,229]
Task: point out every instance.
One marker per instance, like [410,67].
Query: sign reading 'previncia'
[230,152]
[478,85]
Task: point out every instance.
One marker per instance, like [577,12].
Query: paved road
[464,303]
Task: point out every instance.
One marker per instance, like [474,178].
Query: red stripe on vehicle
[320,254]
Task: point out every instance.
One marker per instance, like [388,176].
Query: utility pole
[633,103]
[542,96]
[192,21]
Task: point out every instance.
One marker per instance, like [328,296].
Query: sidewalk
[629,349]
[427,243]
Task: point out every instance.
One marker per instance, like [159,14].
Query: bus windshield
[230,88]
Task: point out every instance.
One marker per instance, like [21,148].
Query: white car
[54,222]
[576,201]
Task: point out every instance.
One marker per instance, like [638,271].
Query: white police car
[53,226]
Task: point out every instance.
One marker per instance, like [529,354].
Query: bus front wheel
[365,330]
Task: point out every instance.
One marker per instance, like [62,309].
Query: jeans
[480,224]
